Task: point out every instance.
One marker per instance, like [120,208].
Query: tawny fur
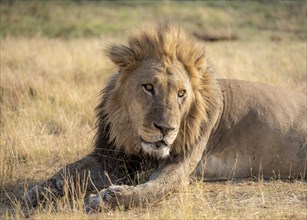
[220,129]
[165,43]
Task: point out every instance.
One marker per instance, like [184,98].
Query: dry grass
[48,94]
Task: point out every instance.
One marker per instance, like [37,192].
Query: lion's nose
[164,128]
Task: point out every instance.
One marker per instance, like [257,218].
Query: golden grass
[48,93]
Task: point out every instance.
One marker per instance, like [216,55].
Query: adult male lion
[163,114]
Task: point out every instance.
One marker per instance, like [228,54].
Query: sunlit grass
[49,89]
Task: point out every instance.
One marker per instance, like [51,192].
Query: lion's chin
[152,150]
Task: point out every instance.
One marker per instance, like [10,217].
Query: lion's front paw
[94,203]
[99,202]
[40,193]
[33,196]
[108,198]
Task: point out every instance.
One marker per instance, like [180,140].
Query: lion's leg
[90,173]
[162,181]
[171,174]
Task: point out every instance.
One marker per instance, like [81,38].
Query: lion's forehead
[171,76]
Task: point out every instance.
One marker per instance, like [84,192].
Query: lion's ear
[124,57]
[201,62]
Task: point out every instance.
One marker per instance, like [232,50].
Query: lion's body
[163,116]
[262,132]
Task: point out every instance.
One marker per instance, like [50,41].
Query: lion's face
[158,96]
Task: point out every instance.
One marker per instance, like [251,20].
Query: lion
[164,117]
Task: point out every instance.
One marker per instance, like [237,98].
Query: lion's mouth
[156,145]
[157,149]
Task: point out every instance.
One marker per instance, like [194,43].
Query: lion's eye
[181,93]
[148,87]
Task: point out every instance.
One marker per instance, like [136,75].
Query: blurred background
[248,20]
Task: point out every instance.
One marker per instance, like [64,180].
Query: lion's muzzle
[157,149]
[156,141]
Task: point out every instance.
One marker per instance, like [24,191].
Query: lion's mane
[165,43]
